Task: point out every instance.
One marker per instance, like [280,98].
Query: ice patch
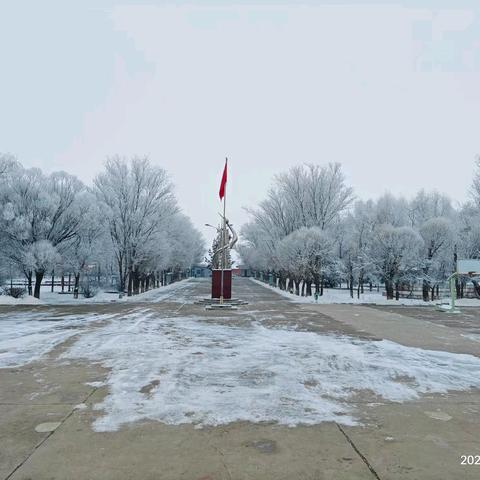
[185,370]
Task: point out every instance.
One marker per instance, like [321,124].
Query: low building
[201,271]
[242,271]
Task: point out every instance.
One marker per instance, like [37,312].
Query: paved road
[422,438]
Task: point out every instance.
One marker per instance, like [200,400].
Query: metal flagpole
[224,237]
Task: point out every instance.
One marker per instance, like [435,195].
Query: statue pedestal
[217,281]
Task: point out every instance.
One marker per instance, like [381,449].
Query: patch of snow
[95,384]
[446,307]
[26,300]
[186,370]
[467,302]
[27,336]
[472,336]
[439,416]
[170,293]
[331,296]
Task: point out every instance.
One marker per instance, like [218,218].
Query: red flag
[223,183]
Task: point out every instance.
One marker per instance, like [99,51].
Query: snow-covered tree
[138,199]
[475,188]
[438,236]
[40,257]
[396,252]
[87,247]
[130,218]
[37,208]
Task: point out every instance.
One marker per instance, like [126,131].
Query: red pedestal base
[217,281]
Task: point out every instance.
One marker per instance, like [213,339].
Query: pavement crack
[358,452]
[41,442]
[222,460]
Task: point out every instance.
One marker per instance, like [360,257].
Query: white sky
[389,89]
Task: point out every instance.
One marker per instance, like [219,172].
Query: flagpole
[224,237]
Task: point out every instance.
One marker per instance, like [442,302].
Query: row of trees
[128,222]
[310,230]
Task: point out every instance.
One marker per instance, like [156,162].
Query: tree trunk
[69,282]
[130,282]
[433,293]
[63,283]
[29,279]
[457,283]
[425,289]
[309,288]
[321,286]
[121,277]
[136,282]
[297,287]
[389,289]
[476,288]
[38,283]
[53,279]
[76,286]
[397,292]
[303,288]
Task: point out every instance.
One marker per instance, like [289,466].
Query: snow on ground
[27,336]
[472,336]
[168,292]
[188,370]
[27,300]
[343,296]
[465,302]
[178,292]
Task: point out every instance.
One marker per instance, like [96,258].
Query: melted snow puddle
[185,370]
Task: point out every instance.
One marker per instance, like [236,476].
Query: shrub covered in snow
[89,291]
[15,292]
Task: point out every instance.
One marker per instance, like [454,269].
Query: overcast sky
[389,89]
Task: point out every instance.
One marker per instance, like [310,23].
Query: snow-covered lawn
[187,370]
[374,298]
[26,300]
